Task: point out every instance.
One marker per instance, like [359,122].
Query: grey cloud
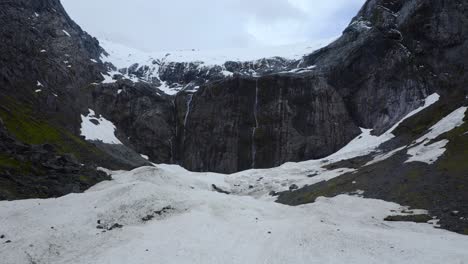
[211,24]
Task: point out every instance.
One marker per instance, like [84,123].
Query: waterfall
[187,113]
[255,110]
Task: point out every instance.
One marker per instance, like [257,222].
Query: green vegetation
[86,179]
[24,124]
[20,123]
[420,123]
[415,174]
[10,163]
[456,156]
[24,176]
[421,218]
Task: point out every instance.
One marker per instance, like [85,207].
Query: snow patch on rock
[423,151]
[98,128]
[427,153]
[366,143]
[448,123]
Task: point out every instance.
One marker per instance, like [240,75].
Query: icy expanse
[122,57]
[165,214]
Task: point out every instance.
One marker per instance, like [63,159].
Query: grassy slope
[22,178]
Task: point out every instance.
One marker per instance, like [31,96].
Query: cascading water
[255,110]
[187,113]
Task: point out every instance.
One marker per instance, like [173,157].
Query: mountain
[304,108]
[381,110]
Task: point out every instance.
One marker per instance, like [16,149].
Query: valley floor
[165,214]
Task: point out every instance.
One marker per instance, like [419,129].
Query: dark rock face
[43,49]
[392,54]
[143,116]
[44,172]
[244,123]
[46,60]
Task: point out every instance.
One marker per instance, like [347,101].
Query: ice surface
[170,215]
[122,56]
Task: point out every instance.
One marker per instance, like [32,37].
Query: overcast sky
[155,25]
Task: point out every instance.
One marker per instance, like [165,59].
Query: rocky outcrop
[144,117]
[41,171]
[393,54]
[47,59]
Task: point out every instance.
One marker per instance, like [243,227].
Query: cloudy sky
[154,25]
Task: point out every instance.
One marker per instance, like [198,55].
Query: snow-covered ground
[165,214]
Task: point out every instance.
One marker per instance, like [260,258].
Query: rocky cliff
[392,55]
[245,123]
